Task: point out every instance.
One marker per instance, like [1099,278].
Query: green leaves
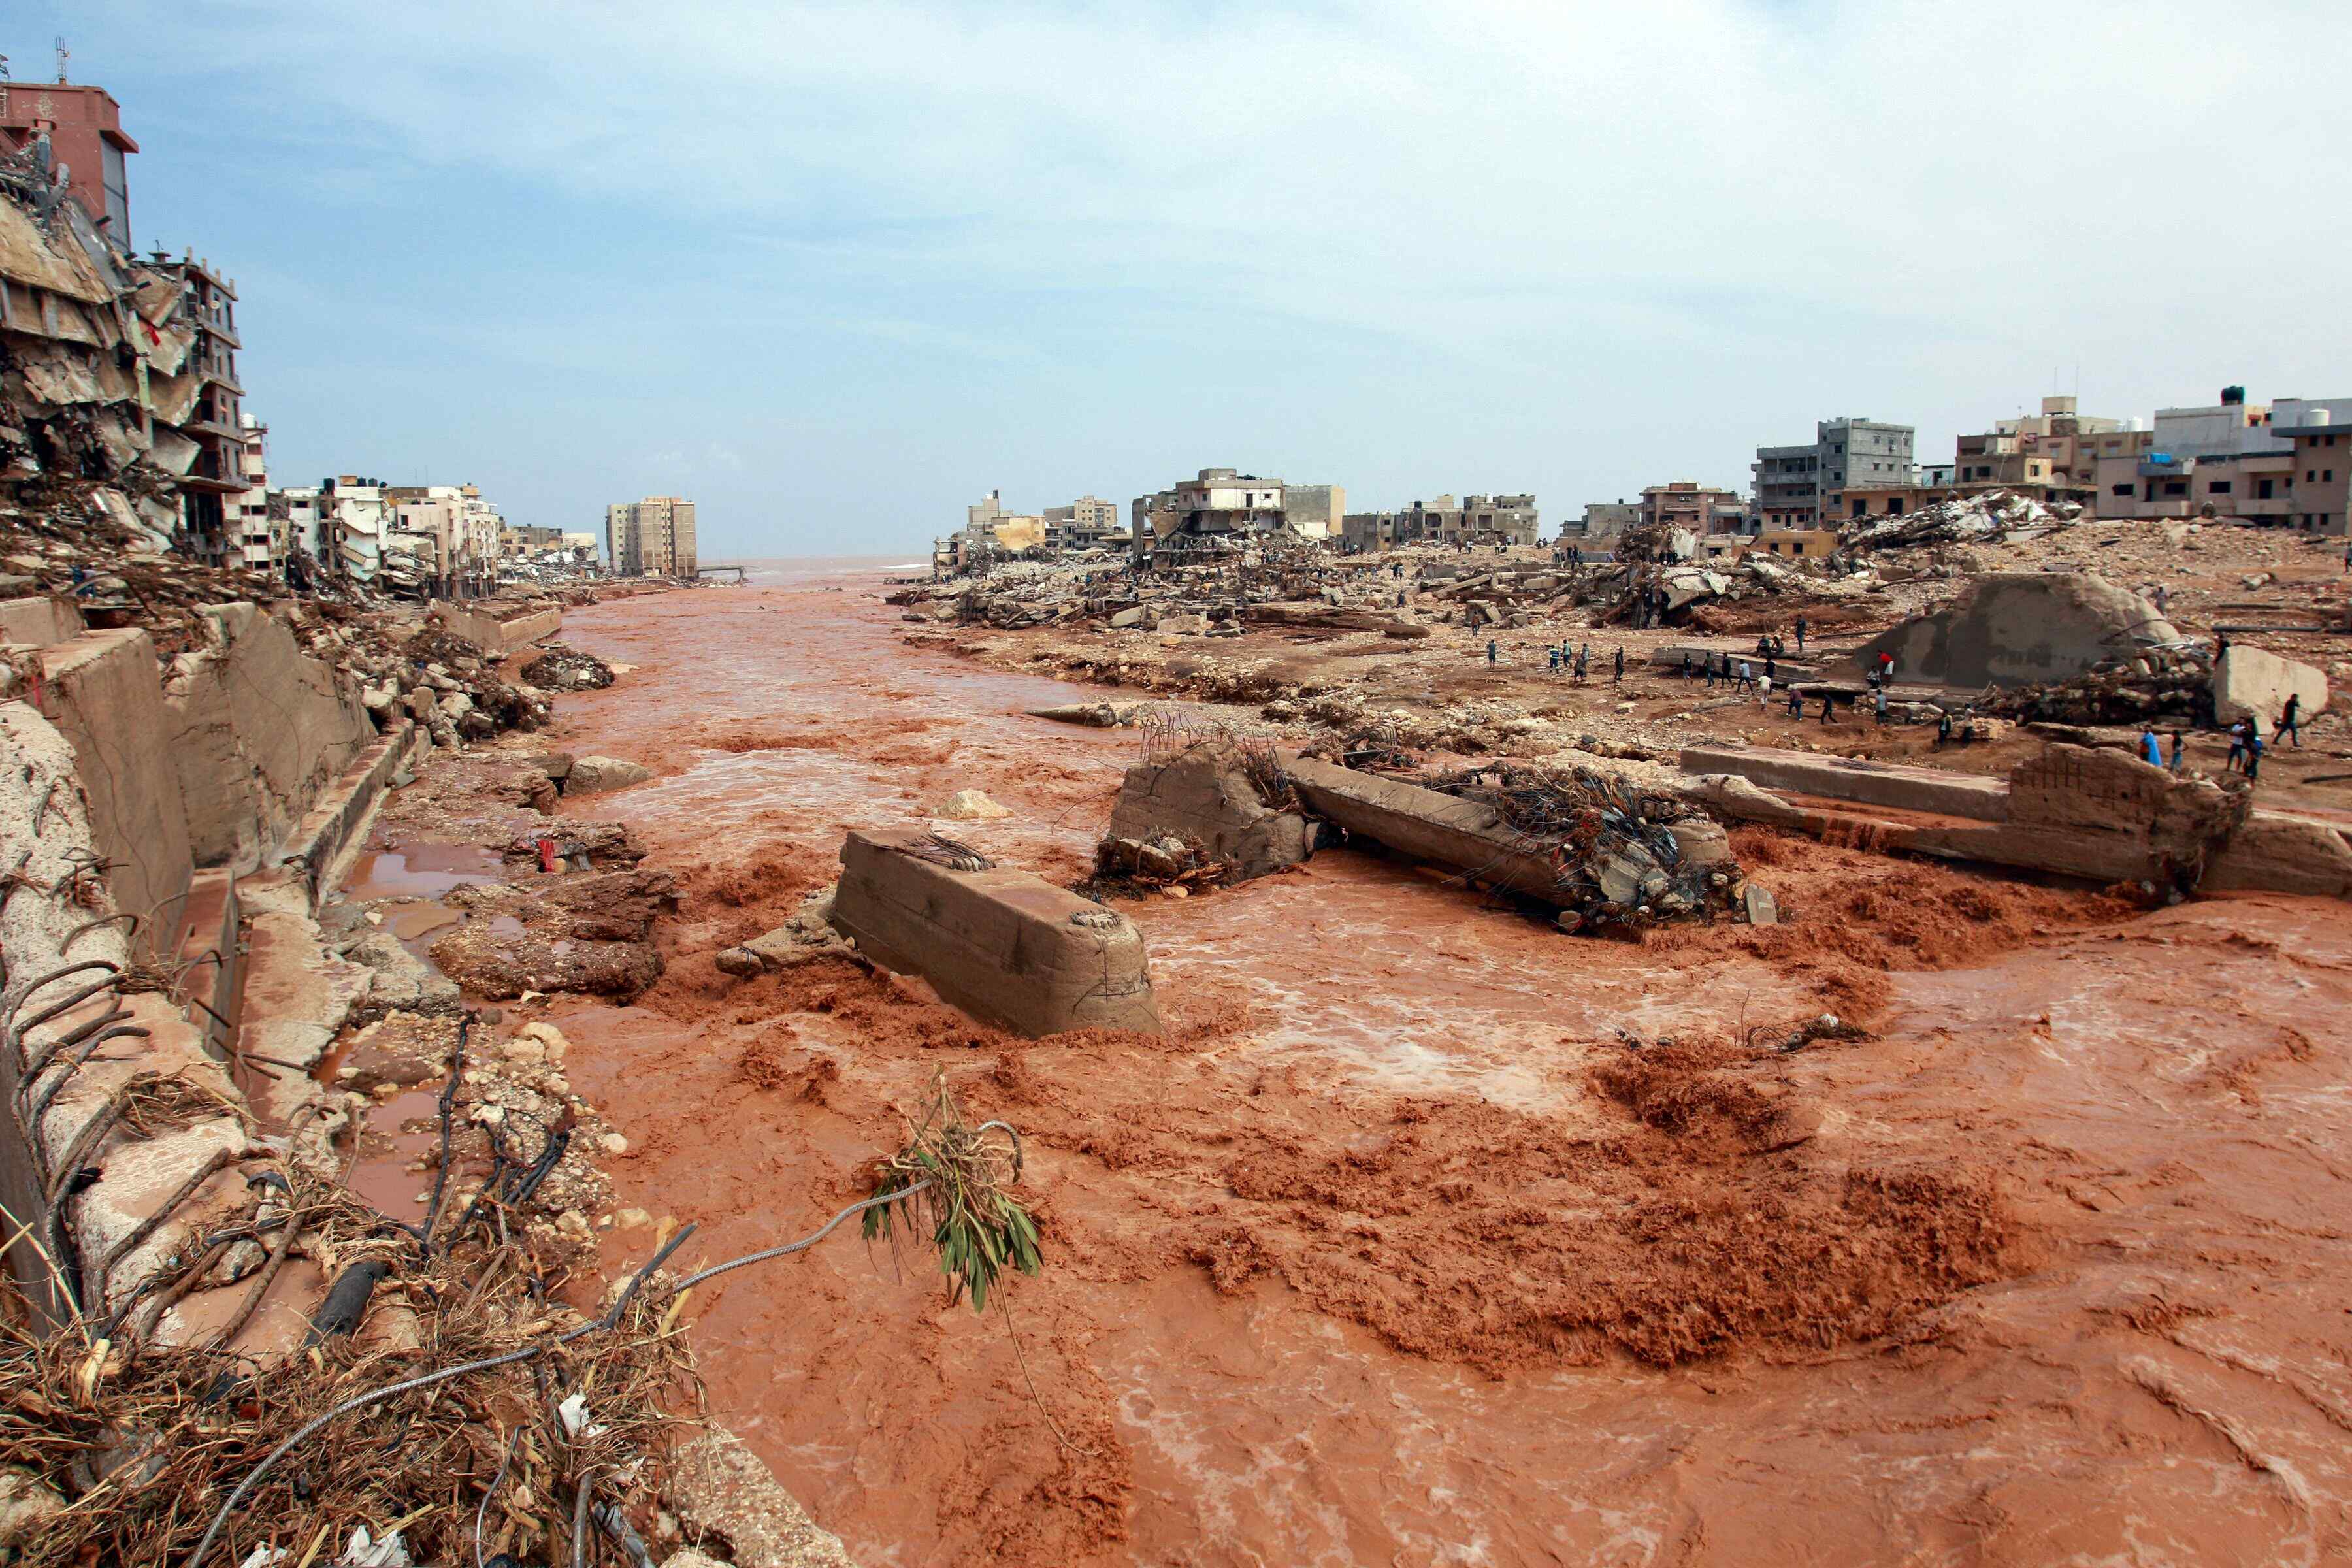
[954,1177]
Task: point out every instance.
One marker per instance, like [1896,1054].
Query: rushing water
[1249,1427]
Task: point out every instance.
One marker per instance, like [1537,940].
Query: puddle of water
[398,1131]
[421,870]
[414,921]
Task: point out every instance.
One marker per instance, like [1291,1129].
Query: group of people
[2247,747]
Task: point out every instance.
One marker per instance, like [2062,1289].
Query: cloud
[1664,233]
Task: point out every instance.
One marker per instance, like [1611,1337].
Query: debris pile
[1624,855]
[562,668]
[1987,519]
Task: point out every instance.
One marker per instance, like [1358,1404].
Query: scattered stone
[1763,909]
[970,805]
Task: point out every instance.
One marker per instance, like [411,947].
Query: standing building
[1218,507]
[2321,471]
[260,537]
[1316,511]
[652,537]
[215,478]
[1088,522]
[84,128]
[2216,459]
[1602,519]
[1793,484]
[1702,509]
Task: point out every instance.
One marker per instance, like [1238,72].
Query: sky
[836,271]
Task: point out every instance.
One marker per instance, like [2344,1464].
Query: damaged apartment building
[1475,520]
[116,369]
[1222,508]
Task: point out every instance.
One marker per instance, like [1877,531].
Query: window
[2262,489]
[2119,490]
[2217,487]
[2176,487]
[2328,476]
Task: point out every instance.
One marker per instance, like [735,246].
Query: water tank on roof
[2232,395]
[2318,416]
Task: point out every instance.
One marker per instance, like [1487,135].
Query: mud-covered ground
[1431,1235]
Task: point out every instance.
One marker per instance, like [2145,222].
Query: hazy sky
[834,271]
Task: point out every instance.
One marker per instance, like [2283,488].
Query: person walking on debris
[1880,693]
[1771,664]
[1493,654]
[1710,659]
[1583,659]
[1829,706]
[1552,653]
[1746,682]
[1801,634]
[1885,668]
[1943,727]
[2253,753]
[2151,750]
[1796,703]
[1618,675]
[2290,723]
[1686,664]
[2237,746]
[2179,746]
[1764,686]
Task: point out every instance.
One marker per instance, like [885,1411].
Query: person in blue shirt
[2151,750]
[1490,650]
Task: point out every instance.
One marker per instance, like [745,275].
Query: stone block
[1465,835]
[1004,945]
[2251,683]
[1205,794]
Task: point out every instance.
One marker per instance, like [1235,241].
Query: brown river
[1430,1235]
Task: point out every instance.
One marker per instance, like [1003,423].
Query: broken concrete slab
[1004,945]
[1467,836]
[38,622]
[1853,778]
[1093,715]
[2251,683]
[807,936]
[1205,794]
[499,626]
[2023,629]
[1763,909]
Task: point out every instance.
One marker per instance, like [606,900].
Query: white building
[259,545]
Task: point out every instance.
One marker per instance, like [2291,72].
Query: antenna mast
[64,54]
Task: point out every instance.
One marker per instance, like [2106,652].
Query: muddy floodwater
[1430,1235]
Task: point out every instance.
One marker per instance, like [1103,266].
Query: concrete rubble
[1204,812]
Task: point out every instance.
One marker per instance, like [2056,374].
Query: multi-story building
[1686,503]
[1088,522]
[261,534]
[2216,459]
[84,127]
[215,478]
[464,531]
[1792,483]
[1602,519]
[2321,470]
[1218,506]
[652,537]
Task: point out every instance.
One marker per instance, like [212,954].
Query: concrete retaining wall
[38,622]
[106,698]
[1003,945]
[259,730]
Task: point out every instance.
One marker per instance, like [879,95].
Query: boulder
[2023,629]
[970,805]
[589,775]
[2248,682]
[1131,617]
[1183,626]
